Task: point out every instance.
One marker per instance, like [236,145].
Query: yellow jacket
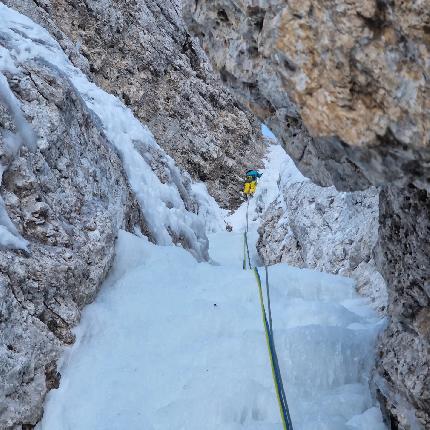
[249,187]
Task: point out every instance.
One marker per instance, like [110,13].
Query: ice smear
[208,210]
[24,133]
[12,142]
[162,203]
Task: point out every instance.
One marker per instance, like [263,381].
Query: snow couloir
[171,343]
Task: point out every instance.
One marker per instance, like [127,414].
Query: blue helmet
[254,173]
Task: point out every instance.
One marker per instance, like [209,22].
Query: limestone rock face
[343,83]
[320,228]
[143,54]
[67,198]
[403,259]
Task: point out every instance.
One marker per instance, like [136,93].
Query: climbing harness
[268,330]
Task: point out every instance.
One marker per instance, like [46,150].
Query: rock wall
[68,197]
[344,85]
[321,228]
[143,54]
[404,351]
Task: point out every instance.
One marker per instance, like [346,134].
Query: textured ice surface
[175,344]
[9,236]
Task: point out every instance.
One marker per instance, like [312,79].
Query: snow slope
[171,343]
[175,344]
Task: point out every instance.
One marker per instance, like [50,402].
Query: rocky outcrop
[353,73]
[143,54]
[344,85]
[67,197]
[321,228]
[403,259]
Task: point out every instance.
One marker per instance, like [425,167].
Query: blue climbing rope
[276,373]
[268,330]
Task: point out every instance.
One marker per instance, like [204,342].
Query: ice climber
[251,182]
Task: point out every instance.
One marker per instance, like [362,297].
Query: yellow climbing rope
[276,373]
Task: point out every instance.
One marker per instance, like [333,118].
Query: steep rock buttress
[67,198]
[143,54]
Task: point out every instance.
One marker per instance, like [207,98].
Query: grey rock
[403,258]
[143,54]
[321,228]
[67,198]
[343,84]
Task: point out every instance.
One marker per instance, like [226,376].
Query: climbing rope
[274,364]
[245,241]
[268,297]
[247,212]
[268,330]
[245,251]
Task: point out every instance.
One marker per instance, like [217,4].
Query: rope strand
[268,330]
